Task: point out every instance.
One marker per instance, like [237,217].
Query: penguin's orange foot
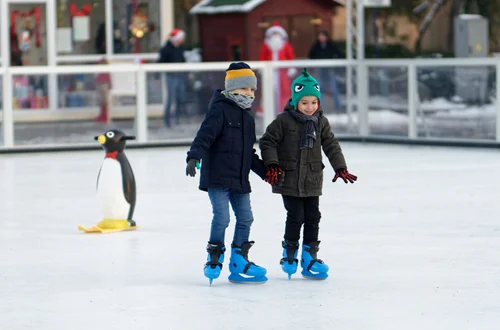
[113,224]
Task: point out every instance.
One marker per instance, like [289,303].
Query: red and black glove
[275,176]
[344,175]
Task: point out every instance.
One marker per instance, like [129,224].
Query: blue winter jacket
[225,146]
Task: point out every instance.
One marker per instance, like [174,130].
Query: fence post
[7,113]
[497,103]
[362,98]
[268,104]
[7,120]
[349,97]
[412,101]
[52,86]
[141,118]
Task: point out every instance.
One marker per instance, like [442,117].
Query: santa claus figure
[277,48]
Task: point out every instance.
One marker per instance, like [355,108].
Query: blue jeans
[220,199]
[327,81]
[176,86]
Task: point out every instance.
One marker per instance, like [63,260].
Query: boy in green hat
[291,149]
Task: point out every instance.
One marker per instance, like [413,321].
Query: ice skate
[215,260]
[242,270]
[289,261]
[312,267]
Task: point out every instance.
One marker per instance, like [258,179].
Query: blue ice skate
[312,267]
[289,261]
[215,259]
[242,270]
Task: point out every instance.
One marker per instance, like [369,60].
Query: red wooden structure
[233,30]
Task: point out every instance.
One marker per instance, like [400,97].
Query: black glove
[191,167]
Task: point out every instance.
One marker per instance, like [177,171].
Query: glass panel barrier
[87,105]
[457,102]
[30,92]
[388,101]
[187,96]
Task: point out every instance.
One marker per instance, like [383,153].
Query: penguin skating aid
[116,189]
[97,230]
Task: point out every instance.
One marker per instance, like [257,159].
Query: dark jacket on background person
[225,146]
[303,168]
[327,50]
[171,54]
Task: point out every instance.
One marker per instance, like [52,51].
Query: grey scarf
[309,128]
[243,101]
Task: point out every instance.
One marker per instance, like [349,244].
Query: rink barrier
[185,143]
[266,70]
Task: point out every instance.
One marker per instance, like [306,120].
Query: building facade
[51,32]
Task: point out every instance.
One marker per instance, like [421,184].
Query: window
[28,42]
[136,26]
[81,27]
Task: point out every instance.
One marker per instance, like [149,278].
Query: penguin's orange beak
[101,139]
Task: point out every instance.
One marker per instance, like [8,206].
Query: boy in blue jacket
[225,146]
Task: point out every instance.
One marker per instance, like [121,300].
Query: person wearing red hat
[276,47]
[173,52]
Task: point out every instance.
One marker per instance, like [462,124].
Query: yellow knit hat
[240,75]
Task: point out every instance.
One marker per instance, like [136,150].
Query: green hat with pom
[304,85]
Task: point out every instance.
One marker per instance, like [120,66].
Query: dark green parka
[303,168]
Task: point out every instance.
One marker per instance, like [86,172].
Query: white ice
[414,244]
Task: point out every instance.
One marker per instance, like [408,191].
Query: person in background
[324,48]
[103,86]
[277,47]
[173,52]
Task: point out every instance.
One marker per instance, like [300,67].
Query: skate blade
[289,272]
[312,276]
[238,279]
[289,275]
[211,277]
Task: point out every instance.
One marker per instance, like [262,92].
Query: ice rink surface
[414,244]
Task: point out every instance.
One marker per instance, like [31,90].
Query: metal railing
[267,70]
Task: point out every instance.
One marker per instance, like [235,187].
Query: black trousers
[302,211]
